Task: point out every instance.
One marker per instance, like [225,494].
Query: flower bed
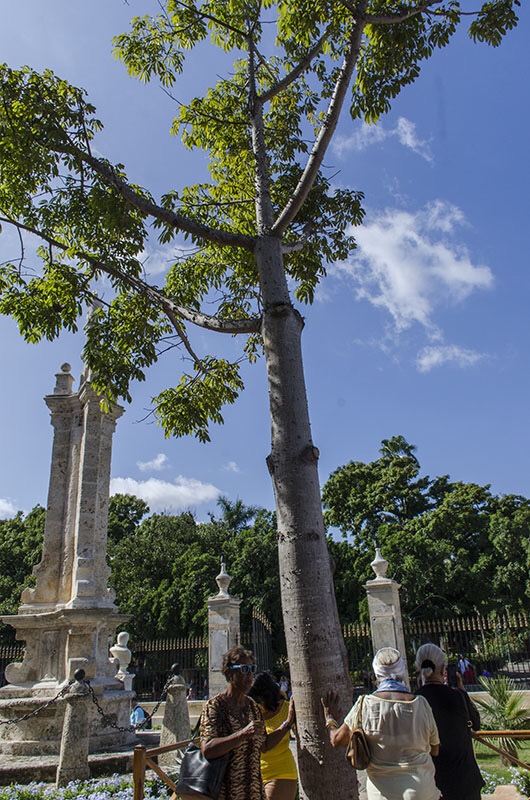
[116,787]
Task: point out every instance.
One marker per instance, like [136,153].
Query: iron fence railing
[496,644]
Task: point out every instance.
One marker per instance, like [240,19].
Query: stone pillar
[223,630]
[385,608]
[67,619]
[176,722]
[73,757]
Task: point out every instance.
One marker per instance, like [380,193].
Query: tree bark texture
[317,655]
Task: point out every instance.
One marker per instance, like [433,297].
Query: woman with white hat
[400,729]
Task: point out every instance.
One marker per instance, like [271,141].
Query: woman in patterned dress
[232,723]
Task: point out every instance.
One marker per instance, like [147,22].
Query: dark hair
[234,656]
[265,691]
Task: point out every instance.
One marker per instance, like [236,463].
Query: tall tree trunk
[317,655]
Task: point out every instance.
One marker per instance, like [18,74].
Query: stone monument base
[41,734]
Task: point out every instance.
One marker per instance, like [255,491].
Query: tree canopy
[164,569]
[256,126]
[259,234]
[20,549]
[454,547]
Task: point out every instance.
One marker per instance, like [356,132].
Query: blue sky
[423,333]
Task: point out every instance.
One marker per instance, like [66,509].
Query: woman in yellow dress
[278,767]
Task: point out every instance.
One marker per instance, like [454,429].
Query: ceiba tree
[259,234]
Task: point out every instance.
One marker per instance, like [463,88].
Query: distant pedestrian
[463,664]
[285,686]
[138,714]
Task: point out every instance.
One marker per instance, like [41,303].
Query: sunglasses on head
[245,668]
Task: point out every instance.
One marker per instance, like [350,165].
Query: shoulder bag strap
[195,731]
[359,721]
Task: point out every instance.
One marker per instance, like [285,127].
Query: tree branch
[297,71]
[203,15]
[231,326]
[183,338]
[327,130]
[390,19]
[151,209]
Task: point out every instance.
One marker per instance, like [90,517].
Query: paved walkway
[501,792]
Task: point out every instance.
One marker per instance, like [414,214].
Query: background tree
[20,549]
[164,570]
[269,219]
[447,543]
[125,513]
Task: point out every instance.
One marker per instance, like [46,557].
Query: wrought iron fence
[495,644]
[358,641]
[262,640]
[152,660]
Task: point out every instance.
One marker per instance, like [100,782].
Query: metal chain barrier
[79,676]
[140,725]
[38,710]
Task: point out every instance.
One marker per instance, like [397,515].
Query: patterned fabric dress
[242,779]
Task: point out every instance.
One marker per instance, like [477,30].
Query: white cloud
[371,135]
[408,263]
[231,466]
[405,131]
[7,509]
[431,357]
[180,495]
[158,260]
[156,464]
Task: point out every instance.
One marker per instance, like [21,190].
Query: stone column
[176,722]
[223,630]
[385,608]
[73,757]
[66,620]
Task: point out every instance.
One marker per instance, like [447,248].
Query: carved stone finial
[121,653]
[223,580]
[64,380]
[121,658]
[379,564]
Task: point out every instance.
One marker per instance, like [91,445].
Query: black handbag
[200,776]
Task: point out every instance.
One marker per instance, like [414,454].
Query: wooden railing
[143,759]
[483,736]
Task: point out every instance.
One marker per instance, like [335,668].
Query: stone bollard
[73,758]
[176,722]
